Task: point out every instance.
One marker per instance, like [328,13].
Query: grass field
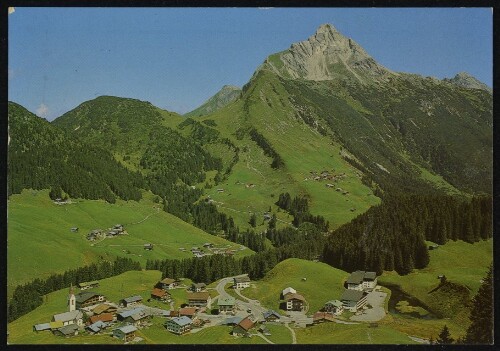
[464,265]
[279,333]
[333,333]
[40,242]
[323,283]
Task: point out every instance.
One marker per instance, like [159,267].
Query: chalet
[137,316]
[226,304]
[187,311]
[103,317]
[125,333]
[94,234]
[148,247]
[361,280]
[74,229]
[330,185]
[179,325]
[166,284]
[294,302]
[112,233]
[241,282]
[320,317]
[334,306]
[160,294]
[86,298]
[118,228]
[199,299]
[67,330]
[104,308]
[88,285]
[208,245]
[41,327]
[67,318]
[243,327]
[271,316]
[131,301]
[197,287]
[353,300]
[232,320]
[96,327]
[220,190]
[288,290]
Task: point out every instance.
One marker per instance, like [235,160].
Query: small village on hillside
[90,313]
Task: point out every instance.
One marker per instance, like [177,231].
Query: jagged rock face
[465,80]
[324,56]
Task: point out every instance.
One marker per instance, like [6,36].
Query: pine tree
[444,336]
[481,329]
[253,220]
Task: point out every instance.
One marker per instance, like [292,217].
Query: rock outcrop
[465,80]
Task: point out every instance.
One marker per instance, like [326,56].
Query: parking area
[376,312]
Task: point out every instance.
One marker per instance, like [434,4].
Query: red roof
[199,296]
[187,311]
[246,324]
[105,317]
[158,292]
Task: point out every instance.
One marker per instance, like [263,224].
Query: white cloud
[11,10]
[42,110]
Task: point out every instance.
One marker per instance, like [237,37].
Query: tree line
[298,207]
[267,148]
[391,236]
[27,297]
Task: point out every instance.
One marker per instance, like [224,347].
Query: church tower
[71,299]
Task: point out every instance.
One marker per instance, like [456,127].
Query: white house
[67,318]
[361,280]
[353,300]
[241,282]
[179,325]
[334,306]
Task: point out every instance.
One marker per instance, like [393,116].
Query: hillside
[36,224]
[323,283]
[42,156]
[223,97]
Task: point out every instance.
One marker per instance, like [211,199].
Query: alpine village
[330,200]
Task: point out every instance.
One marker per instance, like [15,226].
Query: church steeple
[71,299]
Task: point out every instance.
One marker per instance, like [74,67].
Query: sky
[177,58]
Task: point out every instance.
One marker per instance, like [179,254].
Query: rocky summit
[465,80]
[327,54]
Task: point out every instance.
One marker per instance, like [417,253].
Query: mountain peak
[223,97]
[466,80]
[325,55]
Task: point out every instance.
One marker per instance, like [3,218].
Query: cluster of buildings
[209,249]
[95,234]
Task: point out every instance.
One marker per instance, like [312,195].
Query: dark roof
[244,279]
[127,329]
[84,296]
[370,275]
[292,296]
[68,329]
[198,296]
[269,313]
[133,299]
[232,320]
[356,277]
[352,295]
[199,285]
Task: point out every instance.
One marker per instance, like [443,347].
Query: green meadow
[40,242]
[323,283]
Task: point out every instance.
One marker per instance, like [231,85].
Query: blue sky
[176,58]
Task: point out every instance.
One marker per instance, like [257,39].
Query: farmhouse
[334,306]
[88,285]
[361,280]
[74,229]
[232,320]
[199,299]
[137,316]
[271,316]
[226,304]
[320,317]
[187,311]
[67,330]
[41,327]
[86,298]
[131,301]
[104,308]
[243,327]
[179,325]
[197,287]
[353,300]
[67,318]
[160,294]
[294,302]
[103,317]
[96,327]
[241,282]
[148,247]
[167,283]
[125,333]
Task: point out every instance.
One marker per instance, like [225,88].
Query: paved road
[377,312]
